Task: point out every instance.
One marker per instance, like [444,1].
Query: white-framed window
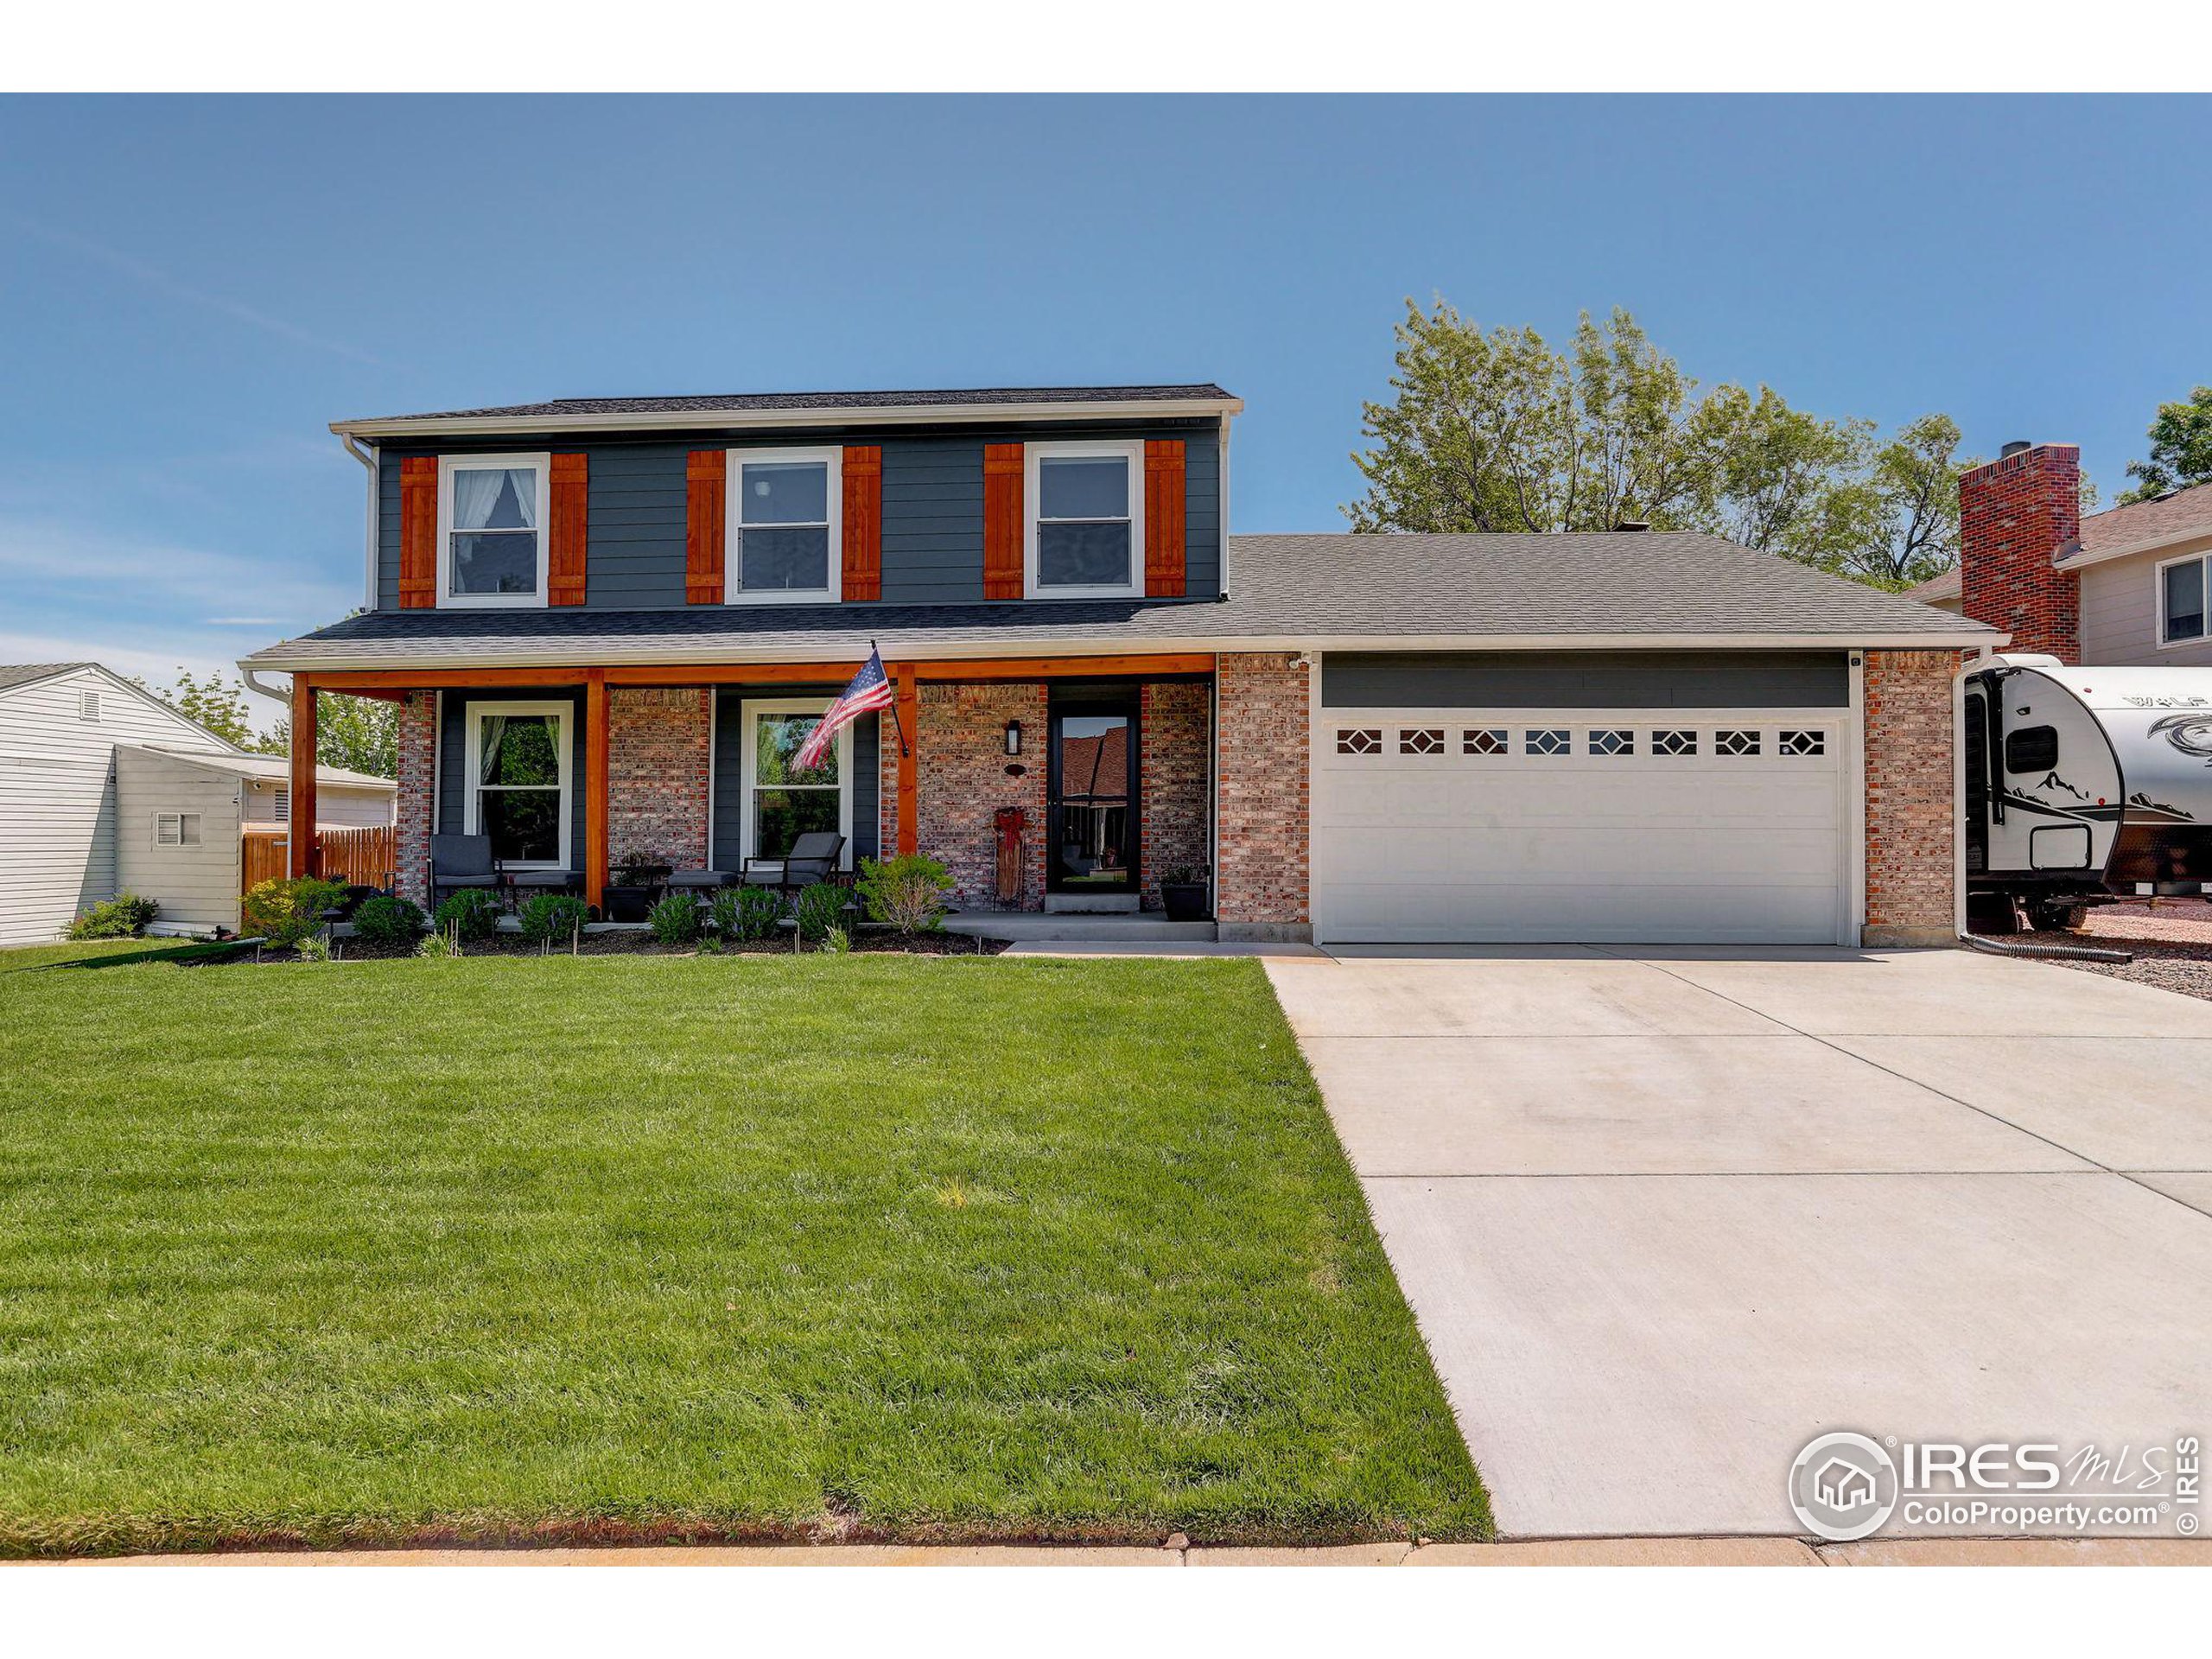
[177,829]
[518,765]
[782,802]
[2184,587]
[783,526]
[492,512]
[1085,538]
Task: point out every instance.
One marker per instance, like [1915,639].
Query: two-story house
[610,623]
[2125,586]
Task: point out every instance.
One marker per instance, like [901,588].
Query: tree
[214,703]
[1915,485]
[2181,450]
[360,733]
[1497,432]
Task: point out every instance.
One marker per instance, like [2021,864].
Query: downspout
[368,455]
[255,682]
[1220,506]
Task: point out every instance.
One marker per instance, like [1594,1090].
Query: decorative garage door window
[1358,740]
[1735,742]
[1553,741]
[1490,742]
[1605,742]
[1612,741]
[1675,742]
[1422,741]
[1804,743]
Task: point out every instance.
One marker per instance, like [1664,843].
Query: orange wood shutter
[704,475]
[862,577]
[1002,525]
[567,535]
[419,532]
[1164,569]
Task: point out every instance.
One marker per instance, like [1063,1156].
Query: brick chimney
[2014,514]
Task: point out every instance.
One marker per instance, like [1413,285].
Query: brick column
[1261,793]
[1911,867]
[659,739]
[418,788]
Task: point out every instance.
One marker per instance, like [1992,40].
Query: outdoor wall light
[1014,737]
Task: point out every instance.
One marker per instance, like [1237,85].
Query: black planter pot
[627,904]
[1186,900]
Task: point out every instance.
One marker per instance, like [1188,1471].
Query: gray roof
[753,403]
[268,768]
[13,675]
[1287,592]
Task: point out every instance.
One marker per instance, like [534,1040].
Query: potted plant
[1182,891]
[638,878]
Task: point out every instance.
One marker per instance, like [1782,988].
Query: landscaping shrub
[552,917]
[747,914]
[388,922]
[313,948]
[284,913]
[817,909]
[907,892]
[439,945]
[836,942]
[675,919]
[126,916]
[471,914]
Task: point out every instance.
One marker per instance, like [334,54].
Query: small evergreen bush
[552,917]
[743,914]
[675,919]
[471,914]
[387,921]
[126,916]
[284,913]
[817,909]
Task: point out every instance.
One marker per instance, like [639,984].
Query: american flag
[871,689]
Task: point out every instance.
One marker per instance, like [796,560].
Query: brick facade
[418,776]
[1260,889]
[1911,865]
[2014,514]
[660,744]
[1173,764]
[963,781]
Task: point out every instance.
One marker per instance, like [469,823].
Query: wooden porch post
[595,788]
[910,760]
[305,858]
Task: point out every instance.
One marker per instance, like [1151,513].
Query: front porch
[1042,784]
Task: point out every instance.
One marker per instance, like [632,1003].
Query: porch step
[1065,927]
[1093,904]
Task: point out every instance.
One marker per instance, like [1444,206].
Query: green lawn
[102,953]
[669,1247]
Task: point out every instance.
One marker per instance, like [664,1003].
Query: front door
[1092,783]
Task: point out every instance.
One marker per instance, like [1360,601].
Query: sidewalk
[1565,1552]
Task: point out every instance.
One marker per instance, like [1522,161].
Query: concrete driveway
[1666,1214]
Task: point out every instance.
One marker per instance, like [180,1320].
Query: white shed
[72,835]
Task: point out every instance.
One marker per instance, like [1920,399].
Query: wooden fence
[364,857]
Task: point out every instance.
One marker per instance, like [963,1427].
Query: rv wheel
[2052,918]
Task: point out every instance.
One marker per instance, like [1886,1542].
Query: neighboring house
[608,623]
[104,787]
[2126,586]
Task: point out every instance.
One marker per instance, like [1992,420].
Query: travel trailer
[2083,786]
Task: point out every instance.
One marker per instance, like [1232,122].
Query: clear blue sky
[190,290]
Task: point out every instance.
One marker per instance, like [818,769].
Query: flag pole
[897,725]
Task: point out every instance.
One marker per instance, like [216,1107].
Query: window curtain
[476,497]
[494,728]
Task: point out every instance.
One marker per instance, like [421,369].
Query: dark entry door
[1092,799]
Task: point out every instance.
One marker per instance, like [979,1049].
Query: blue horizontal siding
[933,511]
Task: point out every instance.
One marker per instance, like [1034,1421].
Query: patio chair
[458,862]
[813,857]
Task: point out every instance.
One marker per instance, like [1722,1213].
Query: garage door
[1652,826]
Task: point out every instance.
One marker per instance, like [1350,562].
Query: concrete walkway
[1665,1214]
[1572,1552]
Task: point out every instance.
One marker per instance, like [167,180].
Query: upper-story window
[1086,519]
[784,531]
[491,530]
[2182,587]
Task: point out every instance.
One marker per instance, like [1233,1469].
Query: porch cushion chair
[699,880]
[813,858]
[458,862]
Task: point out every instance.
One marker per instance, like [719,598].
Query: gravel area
[2172,940]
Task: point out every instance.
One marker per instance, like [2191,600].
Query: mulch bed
[2172,940]
[627,943]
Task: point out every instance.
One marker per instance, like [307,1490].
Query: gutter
[253,683]
[699,420]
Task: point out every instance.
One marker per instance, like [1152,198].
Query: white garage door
[1642,827]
